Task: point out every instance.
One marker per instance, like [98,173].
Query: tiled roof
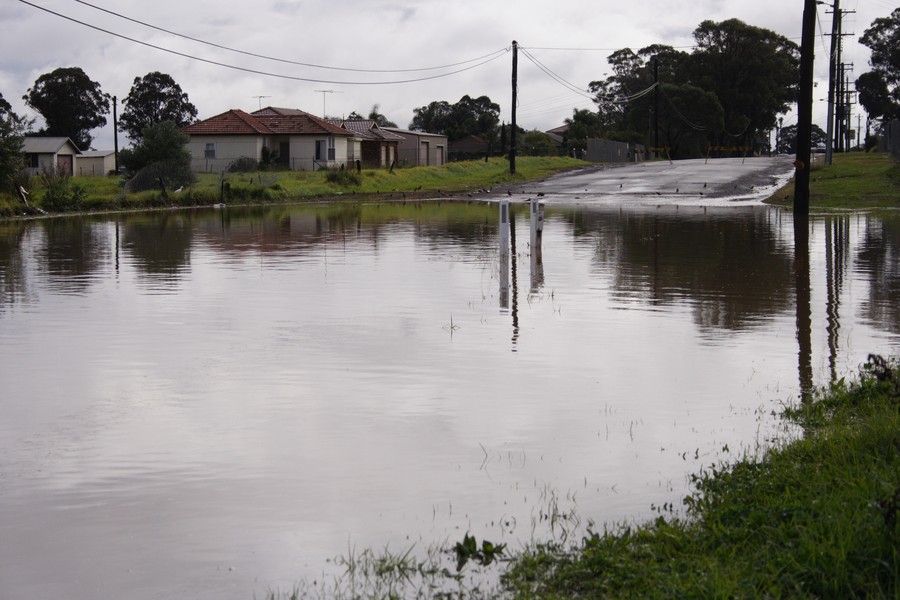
[367,129]
[233,122]
[267,121]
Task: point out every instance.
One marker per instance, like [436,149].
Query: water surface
[209,404]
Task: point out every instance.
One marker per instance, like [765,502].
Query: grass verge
[853,180]
[817,517]
[108,193]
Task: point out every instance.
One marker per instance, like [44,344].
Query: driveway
[717,182]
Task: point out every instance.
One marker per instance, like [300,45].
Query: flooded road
[211,404]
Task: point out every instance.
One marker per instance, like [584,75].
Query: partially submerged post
[504,254]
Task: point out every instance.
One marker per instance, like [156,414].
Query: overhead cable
[494,57]
[283,60]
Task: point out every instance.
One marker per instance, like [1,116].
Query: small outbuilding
[422,149]
[95,163]
[49,154]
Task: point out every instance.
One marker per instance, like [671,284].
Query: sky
[393,53]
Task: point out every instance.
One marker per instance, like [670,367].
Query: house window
[210,151]
[32,161]
[331,153]
[320,149]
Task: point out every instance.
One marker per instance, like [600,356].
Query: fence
[889,140]
[607,151]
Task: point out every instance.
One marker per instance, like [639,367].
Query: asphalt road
[722,181]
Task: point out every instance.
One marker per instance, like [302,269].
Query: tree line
[727,91]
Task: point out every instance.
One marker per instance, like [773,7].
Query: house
[95,163]
[421,149]
[296,139]
[49,154]
[375,146]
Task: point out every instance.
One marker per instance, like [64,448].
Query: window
[331,149]
[210,151]
[32,161]
[320,149]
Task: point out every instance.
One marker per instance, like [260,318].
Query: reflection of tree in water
[75,248]
[732,267]
[292,229]
[879,257]
[13,281]
[160,245]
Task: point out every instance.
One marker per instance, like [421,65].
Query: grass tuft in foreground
[818,517]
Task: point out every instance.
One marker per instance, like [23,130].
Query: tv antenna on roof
[324,92]
[259,100]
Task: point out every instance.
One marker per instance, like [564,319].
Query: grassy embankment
[853,180]
[108,193]
[817,516]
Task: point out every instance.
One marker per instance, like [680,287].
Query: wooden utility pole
[804,109]
[656,105]
[515,99]
[832,75]
[116,132]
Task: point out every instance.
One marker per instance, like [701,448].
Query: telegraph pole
[804,110]
[656,105]
[832,74]
[515,90]
[116,132]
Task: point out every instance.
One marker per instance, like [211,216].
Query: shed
[95,163]
[49,154]
[420,148]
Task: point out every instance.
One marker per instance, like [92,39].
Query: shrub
[60,194]
[343,177]
[244,164]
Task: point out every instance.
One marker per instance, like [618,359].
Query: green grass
[853,180]
[107,193]
[818,517]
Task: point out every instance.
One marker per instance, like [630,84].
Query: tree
[880,88]
[12,139]
[787,141]
[688,118]
[434,118]
[155,98]
[470,116]
[583,124]
[380,119]
[158,159]
[538,143]
[752,71]
[70,103]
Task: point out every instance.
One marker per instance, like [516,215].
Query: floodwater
[211,404]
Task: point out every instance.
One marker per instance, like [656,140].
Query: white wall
[228,148]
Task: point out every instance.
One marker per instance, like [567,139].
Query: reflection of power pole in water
[504,254]
[835,256]
[537,259]
[515,279]
[804,308]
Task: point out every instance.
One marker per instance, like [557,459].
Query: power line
[494,57]
[282,60]
[554,76]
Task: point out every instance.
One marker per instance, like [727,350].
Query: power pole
[804,109]
[656,105]
[515,90]
[832,74]
[116,132]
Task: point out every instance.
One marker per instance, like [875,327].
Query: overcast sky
[570,38]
